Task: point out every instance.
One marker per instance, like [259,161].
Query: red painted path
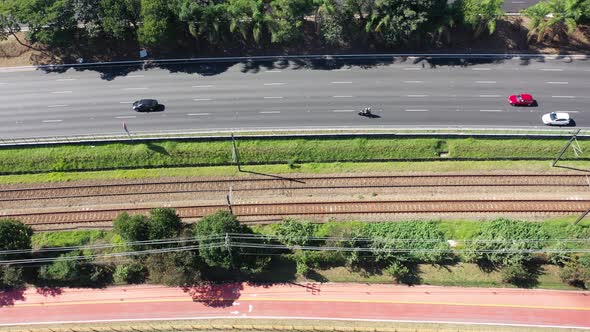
[341,301]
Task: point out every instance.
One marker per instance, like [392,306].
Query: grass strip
[67,158]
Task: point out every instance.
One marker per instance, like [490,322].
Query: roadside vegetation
[159,248]
[292,153]
[118,28]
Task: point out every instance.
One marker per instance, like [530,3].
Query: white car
[556,119]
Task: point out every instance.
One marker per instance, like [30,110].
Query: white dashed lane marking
[271,97]
[413,81]
[491,110]
[342,96]
[125,102]
[273,71]
[417,96]
[202,86]
[557,82]
[270,112]
[273,84]
[342,111]
[62,91]
[53,106]
[49,121]
[485,82]
[342,82]
[489,96]
[196,114]
[481,68]
[126,117]
[134,76]
[562,96]
[202,99]
[551,69]
[135,88]
[66,79]
[417,110]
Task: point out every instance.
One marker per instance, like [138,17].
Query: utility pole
[235,156]
[576,148]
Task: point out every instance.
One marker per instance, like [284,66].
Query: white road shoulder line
[49,121]
[126,117]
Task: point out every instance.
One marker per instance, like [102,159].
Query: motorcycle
[366,112]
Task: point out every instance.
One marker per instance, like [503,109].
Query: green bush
[130,273]
[11,277]
[577,272]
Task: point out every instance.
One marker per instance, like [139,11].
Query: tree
[295,233]
[131,228]
[164,223]
[157,22]
[211,232]
[577,272]
[481,14]
[66,271]
[87,12]
[249,18]
[287,18]
[14,235]
[396,20]
[558,17]
[205,18]
[50,22]
[506,235]
[118,16]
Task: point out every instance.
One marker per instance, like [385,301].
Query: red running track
[318,301]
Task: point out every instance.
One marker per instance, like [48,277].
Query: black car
[146,105]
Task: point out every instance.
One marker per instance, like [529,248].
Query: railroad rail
[286,183]
[277,211]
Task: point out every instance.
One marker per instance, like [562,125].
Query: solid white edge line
[297,318]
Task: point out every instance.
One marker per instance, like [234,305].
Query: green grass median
[68,158]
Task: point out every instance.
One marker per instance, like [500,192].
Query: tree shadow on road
[49,291]
[8,297]
[215,295]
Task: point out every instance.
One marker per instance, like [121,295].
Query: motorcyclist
[366,111]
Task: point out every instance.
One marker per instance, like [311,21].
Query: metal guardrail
[287,134]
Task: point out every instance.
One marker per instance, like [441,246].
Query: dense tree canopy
[557,17]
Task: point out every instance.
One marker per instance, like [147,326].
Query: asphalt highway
[291,300]
[407,92]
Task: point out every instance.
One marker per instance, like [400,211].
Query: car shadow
[371,116]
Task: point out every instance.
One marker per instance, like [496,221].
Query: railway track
[277,211]
[301,183]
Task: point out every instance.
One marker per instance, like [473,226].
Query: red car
[523,99]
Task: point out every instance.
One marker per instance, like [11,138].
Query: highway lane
[310,300]
[410,93]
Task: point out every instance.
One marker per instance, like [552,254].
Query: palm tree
[323,7]
[557,17]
